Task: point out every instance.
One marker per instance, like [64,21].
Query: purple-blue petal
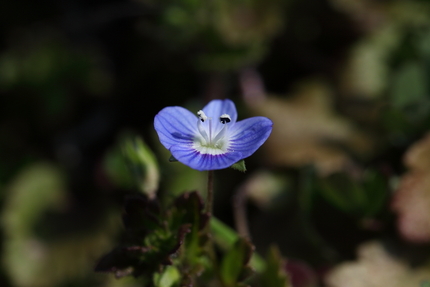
[194,159]
[175,125]
[248,135]
[216,108]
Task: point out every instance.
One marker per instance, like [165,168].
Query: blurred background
[342,186]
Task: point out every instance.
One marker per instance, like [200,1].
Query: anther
[225,119]
[202,116]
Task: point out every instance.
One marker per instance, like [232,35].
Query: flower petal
[215,108]
[189,156]
[175,125]
[248,135]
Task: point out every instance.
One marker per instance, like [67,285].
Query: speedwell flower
[212,138]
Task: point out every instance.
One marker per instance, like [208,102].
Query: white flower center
[206,142]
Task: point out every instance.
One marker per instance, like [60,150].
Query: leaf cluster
[172,247]
[157,238]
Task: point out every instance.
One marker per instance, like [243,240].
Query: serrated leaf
[141,215]
[147,231]
[240,166]
[188,208]
[234,265]
[155,237]
[119,261]
[275,275]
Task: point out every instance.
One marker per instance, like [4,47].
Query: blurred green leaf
[409,84]
[335,197]
[39,192]
[225,237]
[142,164]
[117,170]
[363,197]
[307,184]
[377,192]
[234,266]
[168,278]
[424,44]
[275,275]
[132,163]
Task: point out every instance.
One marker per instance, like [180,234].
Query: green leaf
[377,191]
[188,208]
[151,243]
[275,275]
[168,278]
[142,164]
[335,197]
[362,197]
[240,166]
[409,84]
[307,183]
[225,237]
[234,266]
[116,169]
[158,237]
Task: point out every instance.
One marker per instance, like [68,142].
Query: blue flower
[212,139]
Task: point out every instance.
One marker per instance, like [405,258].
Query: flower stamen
[224,119]
[202,116]
[202,132]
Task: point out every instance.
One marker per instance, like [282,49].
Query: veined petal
[215,109]
[175,125]
[248,135]
[194,159]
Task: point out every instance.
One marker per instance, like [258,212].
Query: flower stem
[210,191]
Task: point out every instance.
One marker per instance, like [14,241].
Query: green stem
[210,191]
